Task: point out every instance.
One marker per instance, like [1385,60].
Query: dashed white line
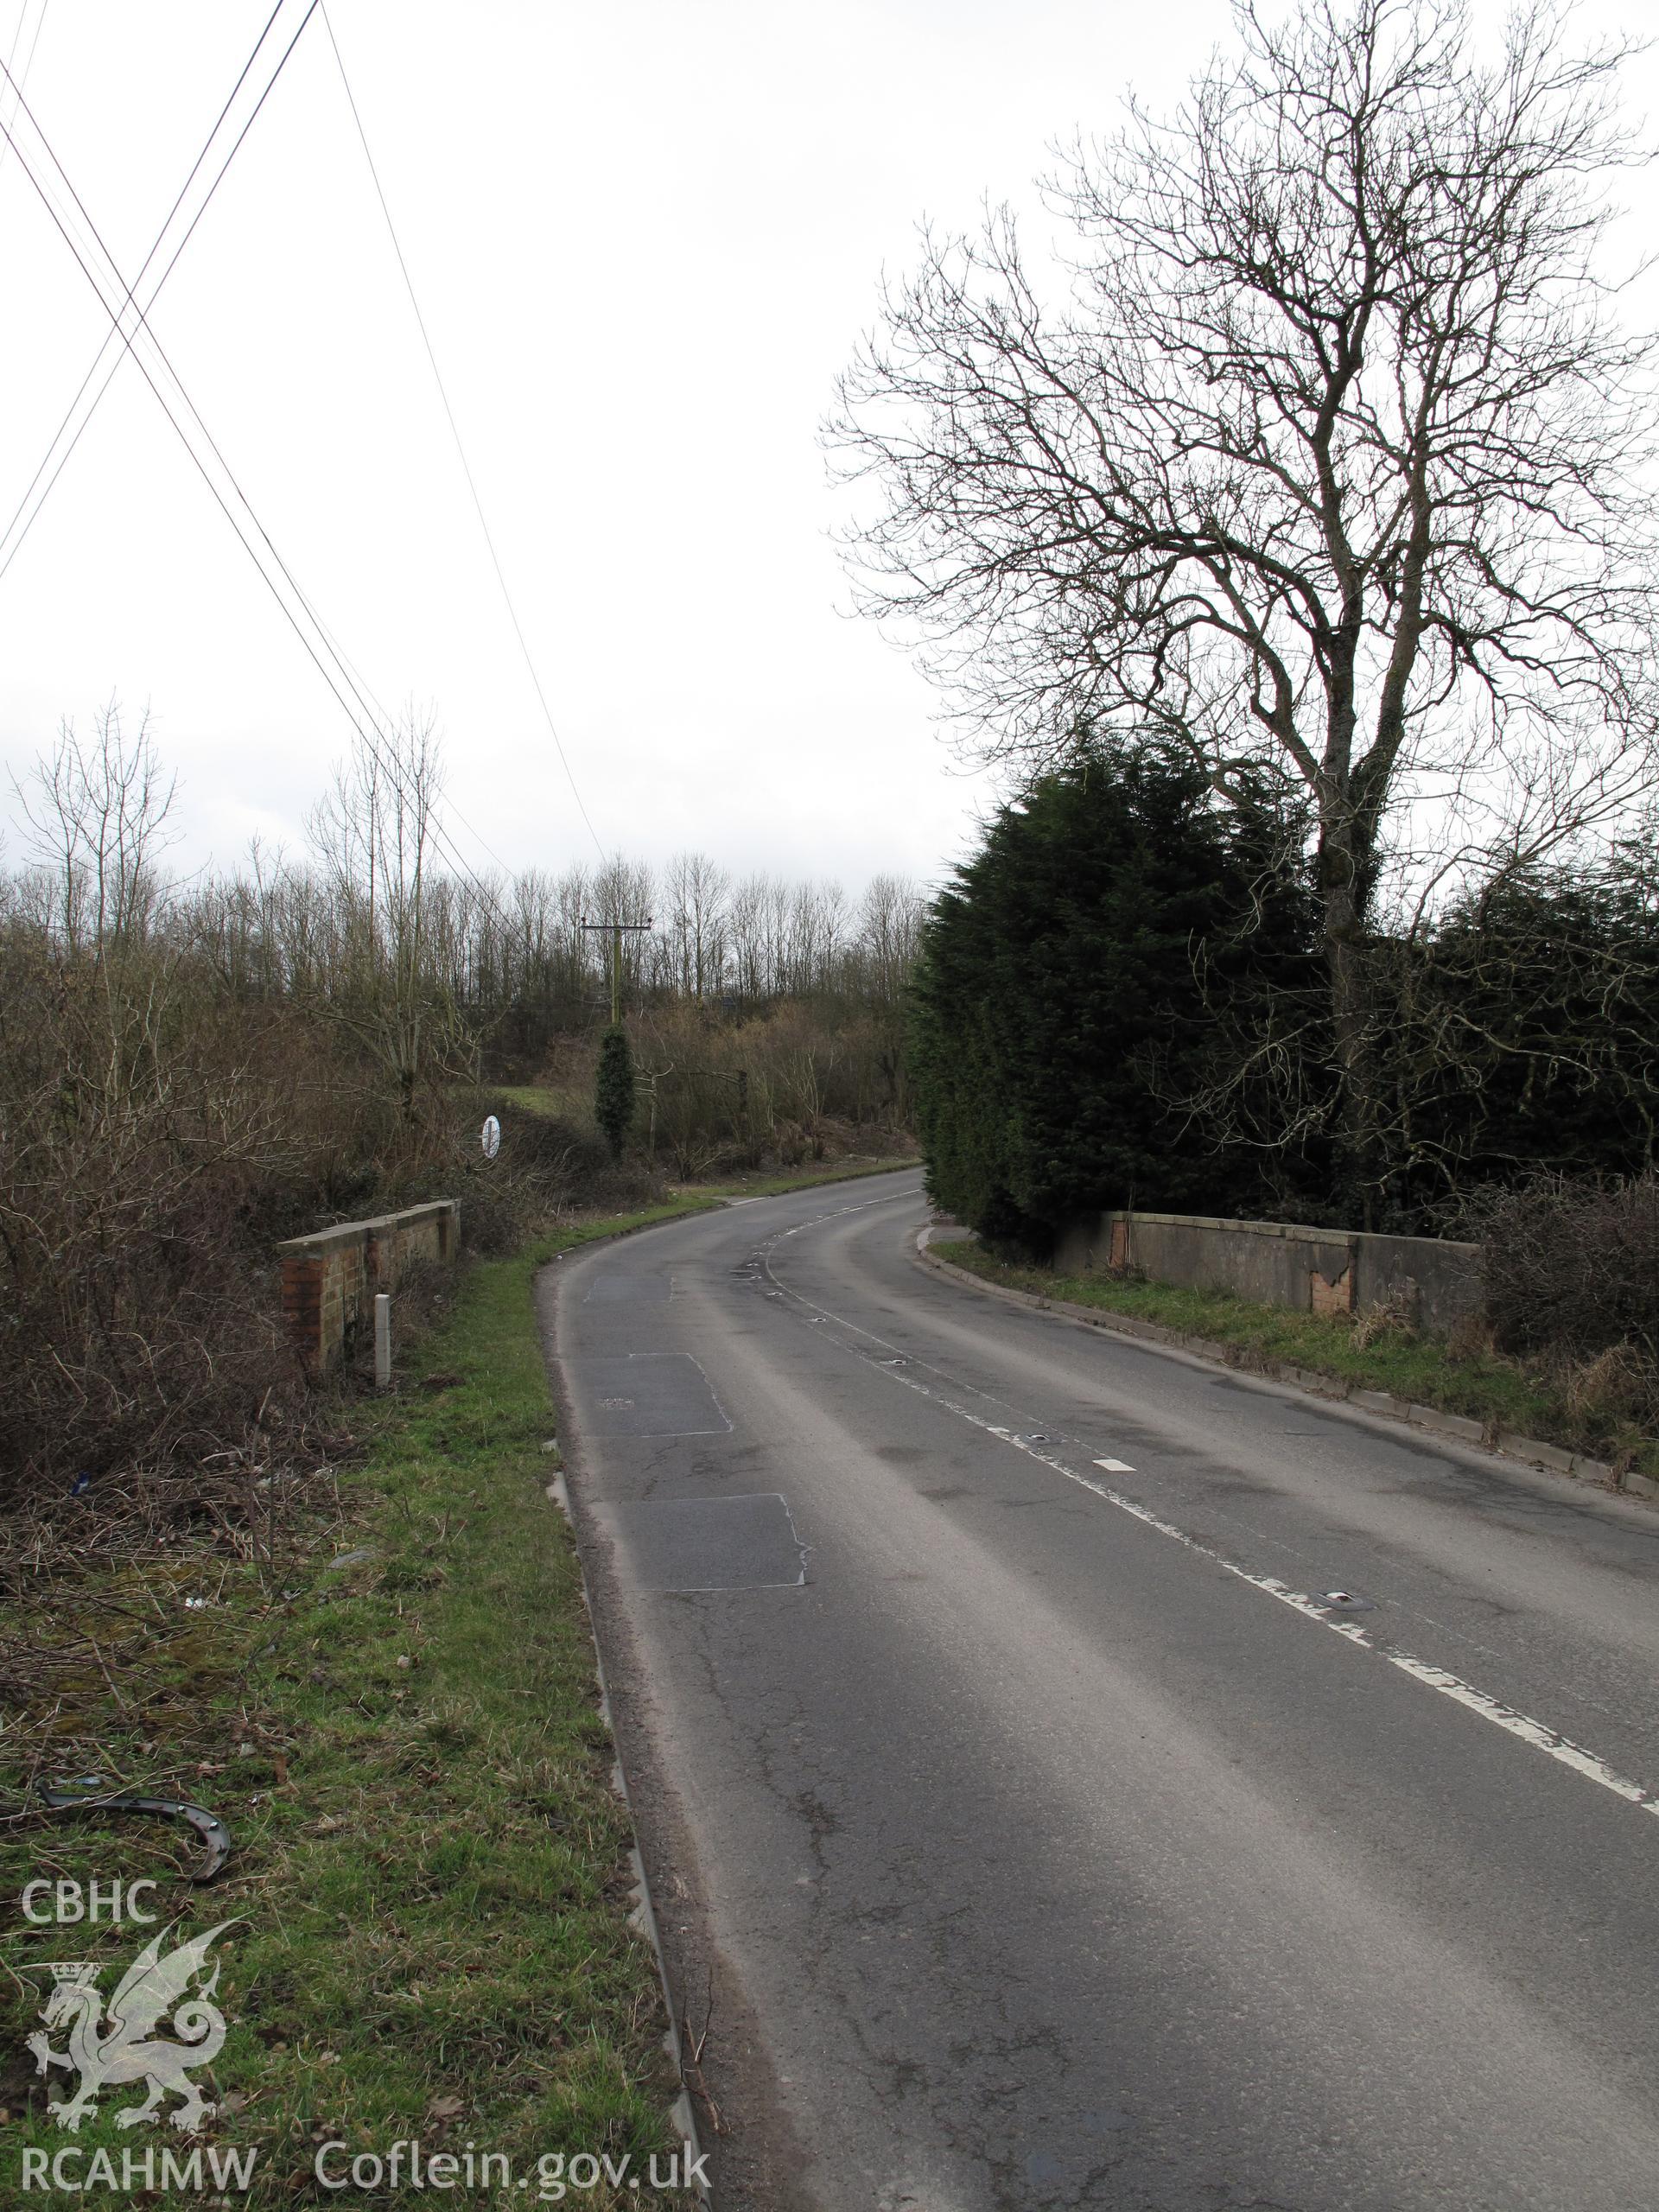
[1521,1726]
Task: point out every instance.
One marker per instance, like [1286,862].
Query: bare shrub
[134,1325]
[1570,1265]
[1613,1388]
[1470,1337]
[544,1165]
[790,1083]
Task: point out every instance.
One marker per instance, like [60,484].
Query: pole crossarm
[616,930]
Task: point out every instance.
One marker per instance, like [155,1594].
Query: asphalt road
[1031,1835]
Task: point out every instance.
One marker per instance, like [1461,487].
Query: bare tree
[698,890]
[777,904]
[97,819]
[1331,472]
[747,922]
[889,937]
[96,816]
[575,957]
[375,836]
[625,892]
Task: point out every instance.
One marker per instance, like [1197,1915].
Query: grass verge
[386,1687]
[1482,1386]
[531,1097]
[763,1185]
[397,1716]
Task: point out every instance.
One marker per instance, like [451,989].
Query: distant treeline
[514,957]
[193,1067]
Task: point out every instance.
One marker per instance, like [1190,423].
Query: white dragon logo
[152,1988]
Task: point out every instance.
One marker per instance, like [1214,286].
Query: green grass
[533,1098]
[430,1873]
[1480,1385]
[430,1868]
[802,1179]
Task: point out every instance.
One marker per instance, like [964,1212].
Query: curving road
[1024,1832]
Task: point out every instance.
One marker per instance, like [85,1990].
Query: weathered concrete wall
[1282,1263]
[330,1279]
[1439,1277]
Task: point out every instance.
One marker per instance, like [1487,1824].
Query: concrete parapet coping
[1303,1232]
[1295,1229]
[1503,1443]
[339,1233]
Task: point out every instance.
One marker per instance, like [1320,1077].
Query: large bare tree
[1327,461]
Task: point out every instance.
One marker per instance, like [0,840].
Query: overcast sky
[645,235]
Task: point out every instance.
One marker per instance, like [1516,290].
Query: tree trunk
[1343,884]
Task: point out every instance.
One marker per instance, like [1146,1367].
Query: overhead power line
[454,432]
[118,329]
[373,713]
[16,41]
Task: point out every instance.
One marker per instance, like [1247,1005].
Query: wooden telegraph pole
[616,930]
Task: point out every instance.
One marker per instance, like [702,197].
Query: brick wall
[330,1279]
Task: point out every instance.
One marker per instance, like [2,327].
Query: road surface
[1025,1829]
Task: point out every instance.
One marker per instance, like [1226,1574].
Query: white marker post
[382,1340]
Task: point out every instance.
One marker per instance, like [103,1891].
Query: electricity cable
[17,40]
[454,432]
[440,836]
[118,330]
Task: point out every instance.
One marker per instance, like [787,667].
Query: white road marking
[1531,1732]
[1116,1467]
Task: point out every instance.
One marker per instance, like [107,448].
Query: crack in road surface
[1035,1863]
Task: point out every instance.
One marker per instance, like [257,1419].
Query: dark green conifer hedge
[1059,1019]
